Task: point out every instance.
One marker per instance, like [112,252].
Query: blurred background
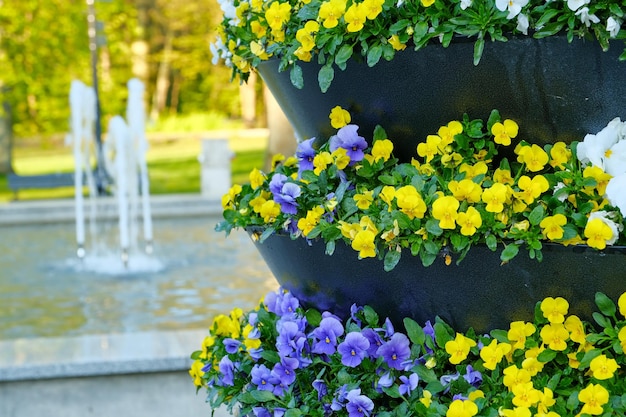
[163,43]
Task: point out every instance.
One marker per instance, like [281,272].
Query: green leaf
[509,252]
[425,374]
[325,77]
[371,317]
[313,317]
[601,320]
[373,55]
[330,247]
[295,75]
[442,335]
[479,45]
[546,356]
[432,226]
[393,391]
[344,54]
[414,331]
[605,304]
[492,242]
[392,258]
[500,335]
[399,25]
[379,133]
[536,215]
[263,396]
[588,357]
[293,412]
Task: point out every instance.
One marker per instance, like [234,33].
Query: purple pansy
[408,384]
[375,342]
[385,381]
[262,377]
[261,412]
[285,370]
[305,154]
[353,349]
[320,387]
[340,398]
[281,303]
[231,345]
[358,405]
[473,377]
[286,197]
[395,351]
[326,335]
[348,139]
[277,182]
[288,335]
[227,369]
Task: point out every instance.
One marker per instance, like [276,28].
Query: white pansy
[465,4]
[616,193]
[587,18]
[560,192]
[608,219]
[514,7]
[594,148]
[613,26]
[522,23]
[576,4]
[219,50]
[615,159]
[230,11]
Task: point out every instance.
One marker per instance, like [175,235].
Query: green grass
[173,165]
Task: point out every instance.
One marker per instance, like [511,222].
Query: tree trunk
[247,97]
[159,99]
[282,138]
[6,140]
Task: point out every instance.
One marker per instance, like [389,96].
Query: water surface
[194,274]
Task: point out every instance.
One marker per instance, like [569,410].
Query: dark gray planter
[479,293]
[555,90]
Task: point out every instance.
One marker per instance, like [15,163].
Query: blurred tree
[165,43]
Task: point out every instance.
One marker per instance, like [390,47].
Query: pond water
[193,274]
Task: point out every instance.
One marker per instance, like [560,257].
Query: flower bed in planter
[282,360]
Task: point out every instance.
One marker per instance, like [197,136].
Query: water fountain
[125,163]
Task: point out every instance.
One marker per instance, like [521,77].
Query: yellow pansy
[593,396]
[534,157]
[554,309]
[364,200]
[559,155]
[495,197]
[493,353]
[331,11]
[503,132]
[597,233]
[459,348]
[462,408]
[445,210]
[466,190]
[269,211]
[552,226]
[339,117]
[277,15]
[382,149]
[518,332]
[410,202]
[603,367]
[469,221]
[514,376]
[355,17]
[555,335]
[363,243]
